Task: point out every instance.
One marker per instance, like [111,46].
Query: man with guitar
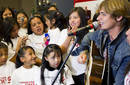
[111,40]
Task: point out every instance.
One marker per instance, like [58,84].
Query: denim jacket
[118,51]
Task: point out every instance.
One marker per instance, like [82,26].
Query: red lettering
[2,80]
[28,82]
[9,79]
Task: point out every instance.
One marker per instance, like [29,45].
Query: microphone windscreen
[22,19]
[95,24]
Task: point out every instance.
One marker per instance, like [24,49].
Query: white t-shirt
[75,67]
[23,76]
[38,43]
[54,35]
[11,50]
[127,79]
[63,36]
[6,71]
[50,75]
[22,32]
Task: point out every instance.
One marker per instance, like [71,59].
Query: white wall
[92,5]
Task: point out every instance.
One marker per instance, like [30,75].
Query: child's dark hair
[45,64]
[21,53]
[29,24]
[60,20]
[8,26]
[2,45]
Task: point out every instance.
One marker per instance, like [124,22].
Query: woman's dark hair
[83,20]
[60,20]
[20,54]
[8,25]
[29,24]
[37,13]
[3,10]
[45,64]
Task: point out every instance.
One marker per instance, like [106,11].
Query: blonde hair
[116,8]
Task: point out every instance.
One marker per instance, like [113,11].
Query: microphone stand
[65,59]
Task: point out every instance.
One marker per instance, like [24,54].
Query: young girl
[56,23]
[6,67]
[76,19]
[22,20]
[9,34]
[51,62]
[37,37]
[26,73]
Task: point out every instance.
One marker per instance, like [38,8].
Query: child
[55,22]
[76,19]
[22,20]
[37,37]
[6,67]
[26,73]
[9,36]
[52,61]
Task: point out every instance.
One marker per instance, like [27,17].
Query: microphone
[22,20]
[88,27]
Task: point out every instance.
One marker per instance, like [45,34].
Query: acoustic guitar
[95,66]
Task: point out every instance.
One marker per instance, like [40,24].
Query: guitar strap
[105,53]
[106,70]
